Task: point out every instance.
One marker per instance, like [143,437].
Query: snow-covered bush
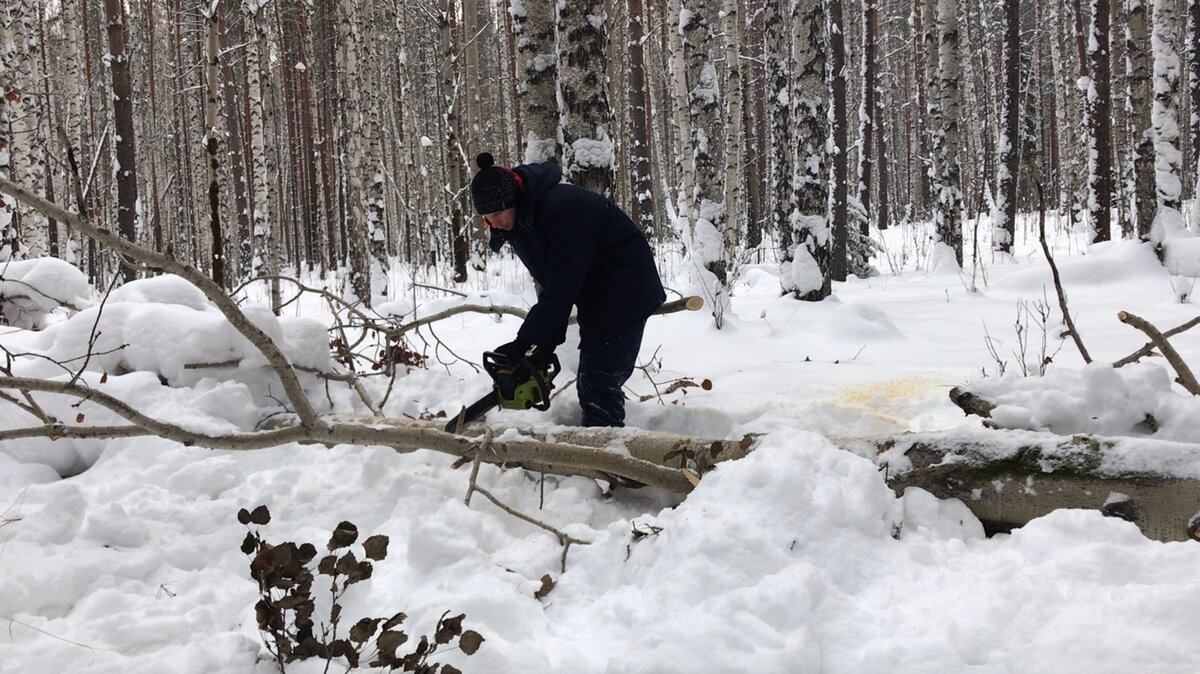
[162,325]
[31,289]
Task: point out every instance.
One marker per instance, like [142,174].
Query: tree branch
[692,303]
[554,457]
[1186,378]
[1149,347]
[1058,287]
[215,294]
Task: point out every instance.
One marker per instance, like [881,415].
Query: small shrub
[285,609]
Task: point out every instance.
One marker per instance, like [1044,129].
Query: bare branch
[1186,378]
[291,384]
[1149,347]
[401,435]
[566,539]
[454,311]
[1035,175]
[692,303]
[1058,287]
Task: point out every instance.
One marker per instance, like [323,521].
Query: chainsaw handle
[543,382]
[494,361]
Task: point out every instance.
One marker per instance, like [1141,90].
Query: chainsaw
[517,384]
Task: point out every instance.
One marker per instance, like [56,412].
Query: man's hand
[514,350]
[517,350]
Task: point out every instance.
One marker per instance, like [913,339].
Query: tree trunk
[1100,175]
[869,110]
[1193,51]
[256,85]
[807,274]
[641,187]
[840,211]
[240,248]
[947,146]
[704,234]
[1168,221]
[126,168]
[1008,482]
[586,119]
[1141,133]
[454,167]
[1004,232]
[735,138]
[212,138]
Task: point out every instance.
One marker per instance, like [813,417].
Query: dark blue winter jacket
[583,251]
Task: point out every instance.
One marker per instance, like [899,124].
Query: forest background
[259,138]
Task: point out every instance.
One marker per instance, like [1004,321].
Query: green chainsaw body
[517,385]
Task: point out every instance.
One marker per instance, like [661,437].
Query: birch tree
[455,167]
[641,186]
[212,137]
[1168,220]
[704,237]
[1004,220]
[868,114]
[533,24]
[947,167]
[1192,39]
[358,166]
[22,111]
[1139,104]
[734,142]
[256,84]
[839,207]
[806,269]
[374,202]
[1099,97]
[585,118]
[778,57]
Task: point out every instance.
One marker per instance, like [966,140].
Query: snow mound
[165,289]
[1182,256]
[1136,400]
[861,321]
[162,325]
[1106,264]
[31,289]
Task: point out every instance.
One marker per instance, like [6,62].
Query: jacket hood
[536,179]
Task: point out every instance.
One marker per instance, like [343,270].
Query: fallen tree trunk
[669,450]
[1007,478]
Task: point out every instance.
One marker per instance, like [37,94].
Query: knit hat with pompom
[494,188]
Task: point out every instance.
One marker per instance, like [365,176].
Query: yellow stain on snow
[891,401]
[911,388]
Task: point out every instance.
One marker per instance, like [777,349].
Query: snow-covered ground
[784,561]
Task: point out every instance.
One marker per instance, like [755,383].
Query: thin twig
[565,539]
[95,333]
[485,446]
[439,289]
[13,621]
[1058,287]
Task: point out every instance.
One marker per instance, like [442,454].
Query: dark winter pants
[603,370]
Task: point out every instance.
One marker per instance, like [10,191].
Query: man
[582,251]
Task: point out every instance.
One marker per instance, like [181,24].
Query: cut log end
[970,403]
